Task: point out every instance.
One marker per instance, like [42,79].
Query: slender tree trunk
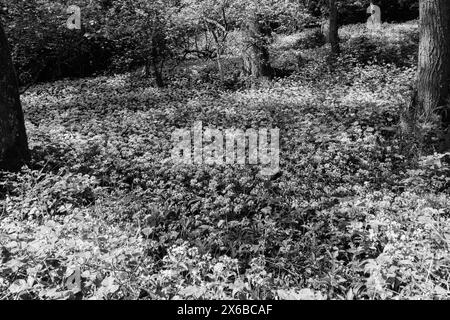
[220,51]
[157,73]
[256,53]
[333,30]
[13,140]
[434,57]
[156,59]
[325,30]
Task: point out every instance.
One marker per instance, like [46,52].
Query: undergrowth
[356,213]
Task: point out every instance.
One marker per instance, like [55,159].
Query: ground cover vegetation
[359,210]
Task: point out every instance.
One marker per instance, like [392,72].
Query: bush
[355,11]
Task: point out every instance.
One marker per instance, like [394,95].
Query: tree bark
[13,140]
[256,53]
[333,30]
[434,57]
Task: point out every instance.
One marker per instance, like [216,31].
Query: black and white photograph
[250,152]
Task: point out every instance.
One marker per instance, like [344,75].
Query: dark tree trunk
[256,54]
[333,30]
[13,140]
[434,57]
[157,72]
[157,59]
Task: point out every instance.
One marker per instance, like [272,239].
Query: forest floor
[359,211]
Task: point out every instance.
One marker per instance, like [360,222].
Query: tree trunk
[13,140]
[256,53]
[333,30]
[434,57]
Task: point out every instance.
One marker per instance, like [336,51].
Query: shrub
[308,39]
